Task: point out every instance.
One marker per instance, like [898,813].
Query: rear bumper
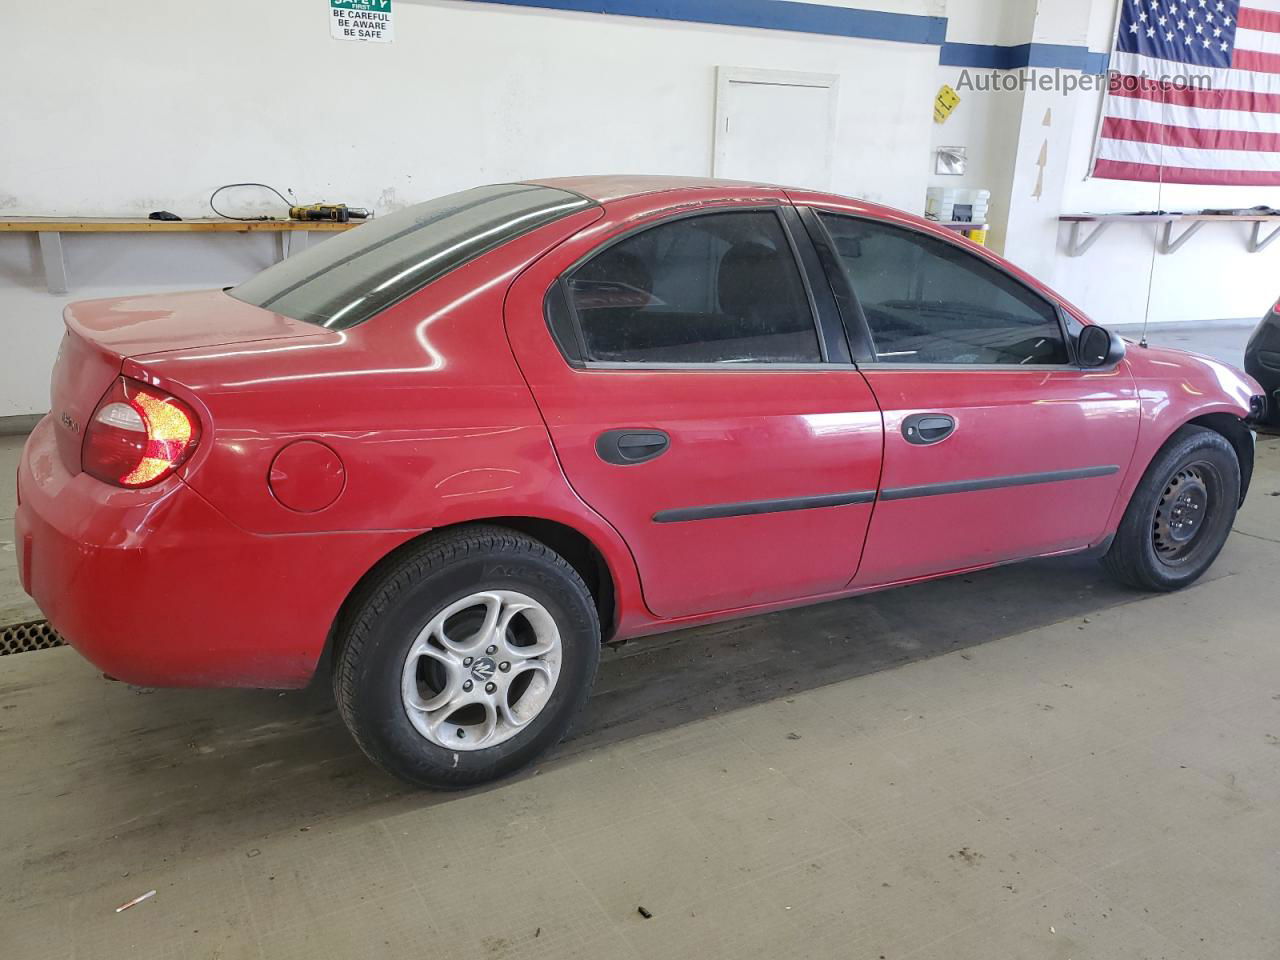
[157,588]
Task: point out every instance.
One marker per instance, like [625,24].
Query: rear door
[997,445]
[700,397]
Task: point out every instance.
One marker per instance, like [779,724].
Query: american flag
[1169,130]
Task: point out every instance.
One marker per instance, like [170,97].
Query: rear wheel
[1180,515]
[468,658]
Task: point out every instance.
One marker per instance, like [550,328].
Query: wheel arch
[582,554]
[1160,426]
[1238,434]
[577,548]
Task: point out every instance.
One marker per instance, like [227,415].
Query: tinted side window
[718,288]
[929,301]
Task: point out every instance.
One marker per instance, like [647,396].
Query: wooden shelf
[1077,245]
[142,225]
[49,230]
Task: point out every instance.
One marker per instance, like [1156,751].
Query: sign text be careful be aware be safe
[368,20]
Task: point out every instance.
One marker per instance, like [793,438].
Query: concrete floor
[1024,763]
[1223,341]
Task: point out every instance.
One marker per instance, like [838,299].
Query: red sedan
[452,450]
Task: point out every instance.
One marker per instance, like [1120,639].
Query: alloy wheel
[481,670]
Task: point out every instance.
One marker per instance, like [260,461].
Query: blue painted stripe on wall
[1049,55]
[980,55]
[765,14]
[1096,62]
[838,22]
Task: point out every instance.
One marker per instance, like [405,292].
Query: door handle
[624,448]
[924,429]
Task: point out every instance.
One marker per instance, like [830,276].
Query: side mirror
[1099,347]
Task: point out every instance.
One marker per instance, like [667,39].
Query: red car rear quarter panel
[423,403]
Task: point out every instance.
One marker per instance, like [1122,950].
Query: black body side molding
[995,483]
[755,507]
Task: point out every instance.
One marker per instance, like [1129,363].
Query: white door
[775,126]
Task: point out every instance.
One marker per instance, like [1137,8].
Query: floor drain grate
[25,637]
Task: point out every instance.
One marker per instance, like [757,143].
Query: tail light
[138,435]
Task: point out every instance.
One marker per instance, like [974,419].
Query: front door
[695,403]
[997,446]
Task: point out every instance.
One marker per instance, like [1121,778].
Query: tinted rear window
[352,276]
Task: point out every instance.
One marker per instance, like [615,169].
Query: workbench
[292,234]
[1077,245]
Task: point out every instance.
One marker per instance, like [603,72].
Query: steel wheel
[481,670]
[1183,510]
[1180,514]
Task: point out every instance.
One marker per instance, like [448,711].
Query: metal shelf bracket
[1170,245]
[1077,247]
[1257,243]
[55,267]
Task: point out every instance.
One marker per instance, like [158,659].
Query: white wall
[154,111]
[1005,23]
[169,105]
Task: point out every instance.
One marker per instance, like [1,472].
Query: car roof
[607,188]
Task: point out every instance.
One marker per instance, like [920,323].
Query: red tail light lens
[138,435]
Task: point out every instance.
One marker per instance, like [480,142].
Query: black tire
[390,611]
[1157,548]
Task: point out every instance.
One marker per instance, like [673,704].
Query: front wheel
[468,658]
[1180,515]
